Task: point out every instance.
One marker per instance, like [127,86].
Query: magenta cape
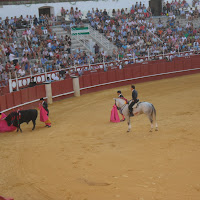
[114,117]
[3,198]
[43,114]
[4,126]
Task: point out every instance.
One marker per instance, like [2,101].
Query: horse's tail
[153,113]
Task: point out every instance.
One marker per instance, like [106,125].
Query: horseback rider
[134,100]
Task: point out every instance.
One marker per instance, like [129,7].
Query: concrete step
[61,33]
[57,29]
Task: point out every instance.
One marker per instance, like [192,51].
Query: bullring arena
[75,56]
[85,157]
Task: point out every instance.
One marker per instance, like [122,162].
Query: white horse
[139,108]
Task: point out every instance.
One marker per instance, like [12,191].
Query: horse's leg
[129,123]
[156,129]
[33,124]
[151,121]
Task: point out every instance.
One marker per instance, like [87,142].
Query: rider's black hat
[119,91]
[41,99]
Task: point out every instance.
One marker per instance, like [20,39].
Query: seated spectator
[56,78]
[48,80]
[43,60]
[21,72]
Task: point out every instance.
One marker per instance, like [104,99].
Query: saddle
[136,104]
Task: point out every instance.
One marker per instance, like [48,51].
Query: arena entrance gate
[46,10]
[156,7]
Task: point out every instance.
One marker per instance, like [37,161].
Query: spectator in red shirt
[168,6]
[17,67]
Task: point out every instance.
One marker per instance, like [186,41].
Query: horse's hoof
[128,131]
[156,129]
[150,130]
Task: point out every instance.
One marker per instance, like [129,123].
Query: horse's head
[119,102]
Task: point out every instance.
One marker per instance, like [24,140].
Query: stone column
[76,86]
[48,93]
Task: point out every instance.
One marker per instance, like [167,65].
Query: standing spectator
[168,7]
[96,48]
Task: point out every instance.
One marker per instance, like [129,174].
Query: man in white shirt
[11,57]
[56,78]
[21,72]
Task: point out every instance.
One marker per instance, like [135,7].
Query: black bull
[17,118]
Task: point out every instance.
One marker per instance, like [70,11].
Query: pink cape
[4,126]
[43,114]
[2,198]
[114,117]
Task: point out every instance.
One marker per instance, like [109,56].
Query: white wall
[32,9]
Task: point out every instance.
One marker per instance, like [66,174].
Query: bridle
[122,108]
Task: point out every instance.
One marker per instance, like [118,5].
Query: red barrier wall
[136,71]
[3,104]
[17,98]
[103,78]
[153,68]
[40,90]
[178,64]
[111,75]
[87,80]
[60,88]
[24,95]
[32,95]
[119,74]
[195,61]
[9,100]
[128,73]
[144,69]
[95,78]
[187,63]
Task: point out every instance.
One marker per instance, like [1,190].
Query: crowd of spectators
[33,50]
[135,36]
[182,9]
[132,30]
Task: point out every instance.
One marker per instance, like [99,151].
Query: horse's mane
[120,99]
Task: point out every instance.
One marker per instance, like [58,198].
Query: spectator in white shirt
[56,78]
[21,72]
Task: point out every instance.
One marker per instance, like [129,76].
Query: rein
[122,108]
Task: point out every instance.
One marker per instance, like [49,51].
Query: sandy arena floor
[85,157]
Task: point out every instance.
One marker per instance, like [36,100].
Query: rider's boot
[131,113]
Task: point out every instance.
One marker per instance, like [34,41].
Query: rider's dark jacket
[134,95]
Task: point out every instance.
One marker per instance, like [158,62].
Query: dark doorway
[44,11]
[156,7]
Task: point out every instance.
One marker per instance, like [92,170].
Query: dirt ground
[85,157]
